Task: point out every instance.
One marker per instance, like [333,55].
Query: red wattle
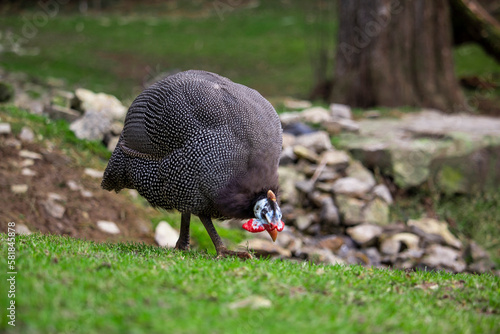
[249,227]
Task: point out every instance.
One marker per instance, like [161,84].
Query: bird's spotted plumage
[199,143]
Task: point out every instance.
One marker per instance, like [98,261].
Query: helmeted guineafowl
[204,145]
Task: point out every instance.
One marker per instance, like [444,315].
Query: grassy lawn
[265,47]
[270,47]
[65,285]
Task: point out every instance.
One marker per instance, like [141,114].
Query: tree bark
[396,53]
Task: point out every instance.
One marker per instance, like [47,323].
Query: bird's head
[267,217]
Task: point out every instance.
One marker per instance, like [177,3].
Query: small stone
[54,209]
[340,111]
[360,172]
[19,188]
[351,186]
[133,193]
[59,112]
[26,135]
[5,129]
[337,159]
[108,227]
[27,163]
[86,193]
[349,125]
[383,192]
[297,104]
[27,172]
[97,174]
[331,242]
[315,115]
[165,235]
[302,222]
[107,105]
[22,229]
[62,98]
[329,175]
[329,214]
[437,256]
[72,185]
[351,209]
[393,244]
[297,129]
[433,226]
[56,197]
[377,212]
[476,252]
[332,127]
[289,118]
[29,155]
[365,234]
[287,157]
[286,239]
[92,126]
[52,206]
[305,186]
[303,152]
[373,255]
[113,141]
[287,178]
[318,141]
[263,247]
[116,128]
[288,140]
[320,255]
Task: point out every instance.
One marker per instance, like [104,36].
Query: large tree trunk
[396,53]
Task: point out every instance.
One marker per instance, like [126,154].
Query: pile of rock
[93,116]
[337,213]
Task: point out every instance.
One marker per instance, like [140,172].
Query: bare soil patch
[53,172]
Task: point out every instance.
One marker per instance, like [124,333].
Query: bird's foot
[227,253]
[182,246]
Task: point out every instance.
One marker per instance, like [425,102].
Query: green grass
[65,285]
[265,48]
[470,59]
[55,130]
[200,239]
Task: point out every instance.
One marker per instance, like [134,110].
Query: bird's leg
[222,251]
[183,241]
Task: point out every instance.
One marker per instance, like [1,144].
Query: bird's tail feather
[115,176]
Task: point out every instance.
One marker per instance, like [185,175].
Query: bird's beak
[273,233]
[274,226]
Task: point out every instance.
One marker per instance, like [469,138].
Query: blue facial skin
[271,217]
